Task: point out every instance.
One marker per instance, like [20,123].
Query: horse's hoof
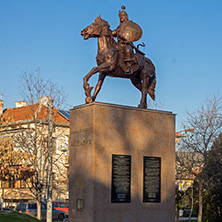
[89,100]
[142,106]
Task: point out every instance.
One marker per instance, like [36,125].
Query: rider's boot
[129,59]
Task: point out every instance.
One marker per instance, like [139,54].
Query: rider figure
[123,43]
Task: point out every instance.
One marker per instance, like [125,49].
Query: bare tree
[35,137]
[10,158]
[192,156]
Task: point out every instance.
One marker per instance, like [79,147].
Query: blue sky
[183,39]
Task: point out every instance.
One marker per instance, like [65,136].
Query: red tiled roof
[28,112]
[180,135]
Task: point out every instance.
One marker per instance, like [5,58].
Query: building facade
[28,126]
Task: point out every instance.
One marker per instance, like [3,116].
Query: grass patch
[16,217]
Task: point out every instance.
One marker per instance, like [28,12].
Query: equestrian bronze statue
[120,59]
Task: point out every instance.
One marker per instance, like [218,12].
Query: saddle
[135,65]
[118,54]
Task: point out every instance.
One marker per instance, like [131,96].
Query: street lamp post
[50,163]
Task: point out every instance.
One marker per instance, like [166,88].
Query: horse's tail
[152,79]
[151,89]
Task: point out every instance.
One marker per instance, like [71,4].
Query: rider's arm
[114,33]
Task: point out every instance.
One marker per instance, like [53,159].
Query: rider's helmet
[123,16]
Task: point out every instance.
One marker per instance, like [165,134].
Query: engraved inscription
[151,179]
[81,142]
[83,130]
[121,178]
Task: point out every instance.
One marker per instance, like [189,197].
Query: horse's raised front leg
[98,85]
[104,67]
[86,85]
[143,101]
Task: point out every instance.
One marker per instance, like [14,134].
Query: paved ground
[187,218]
[180,218]
[6,211]
[66,220]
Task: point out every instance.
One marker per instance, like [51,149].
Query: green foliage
[179,196]
[213,172]
[211,218]
[200,154]
[16,217]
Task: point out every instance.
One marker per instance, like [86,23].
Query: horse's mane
[102,21]
[106,28]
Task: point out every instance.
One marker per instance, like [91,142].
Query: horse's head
[99,28]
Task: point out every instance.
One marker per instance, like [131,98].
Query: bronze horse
[110,63]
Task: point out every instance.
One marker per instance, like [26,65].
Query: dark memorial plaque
[121,179]
[151,179]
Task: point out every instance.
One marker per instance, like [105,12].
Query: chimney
[1,106]
[19,104]
[45,100]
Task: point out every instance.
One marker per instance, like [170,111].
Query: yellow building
[28,126]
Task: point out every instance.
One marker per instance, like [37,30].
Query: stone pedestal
[99,134]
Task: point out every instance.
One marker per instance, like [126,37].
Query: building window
[67,143]
[4,184]
[11,184]
[8,183]
[54,145]
[23,184]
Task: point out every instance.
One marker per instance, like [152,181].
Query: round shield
[130,31]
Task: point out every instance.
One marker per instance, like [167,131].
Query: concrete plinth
[97,132]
